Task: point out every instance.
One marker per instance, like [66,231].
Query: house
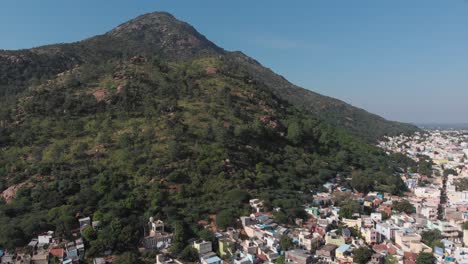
[370,235]
[465,237]
[343,251]
[329,186]
[7,258]
[268,253]
[247,221]
[46,238]
[376,217]
[461,255]
[334,239]
[256,204]
[346,232]
[56,253]
[308,240]
[164,259]
[386,230]
[72,253]
[41,257]
[410,258]
[157,238]
[313,211]
[84,222]
[377,259]
[33,244]
[327,252]
[210,259]
[23,259]
[242,259]
[429,212]
[298,256]
[226,247]
[357,223]
[102,261]
[202,246]
[410,241]
[80,245]
[367,222]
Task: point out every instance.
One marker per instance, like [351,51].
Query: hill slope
[151,119]
[169,38]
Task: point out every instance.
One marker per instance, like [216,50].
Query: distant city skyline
[403,60]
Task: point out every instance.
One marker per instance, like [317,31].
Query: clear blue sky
[406,60]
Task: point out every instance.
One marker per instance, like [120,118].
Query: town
[426,224]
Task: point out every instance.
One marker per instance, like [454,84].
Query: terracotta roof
[58,252]
[410,258]
[380,247]
[392,250]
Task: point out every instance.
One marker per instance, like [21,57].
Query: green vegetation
[225,218]
[432,238]
[391,259]
[189,254]
[280,260]
[461,185]
[348,208]
[424,166]
[465,226]
[286,243]
[362,255]
[426,258]
[128,258]
[447,172]
[403,206]
[122,137]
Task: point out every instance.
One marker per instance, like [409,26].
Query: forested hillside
[121,136]
[170,39]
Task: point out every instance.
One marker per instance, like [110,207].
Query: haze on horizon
[403,60]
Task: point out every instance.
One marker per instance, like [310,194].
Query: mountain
[152,119]
[163,35]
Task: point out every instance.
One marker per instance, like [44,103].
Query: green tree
[465,225]
[128,258]
[225,219]
[206,234]
[89,234]
[181,235]
[362,255]
[403,206]
[448,172]
[294,132]
[348,208]
[189,254]
[286,242]
[55,260]
[175,150]
[391,259]
[461,184]
[280,260]
[362,182]
[280,217]
[432,238]
[425,258]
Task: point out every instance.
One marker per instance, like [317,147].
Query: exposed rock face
[10,193]
[100,94]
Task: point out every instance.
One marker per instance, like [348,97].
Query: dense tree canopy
[426,258]
[403,206]
[362,255]
[126,139]
[432,238]
[349,208]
